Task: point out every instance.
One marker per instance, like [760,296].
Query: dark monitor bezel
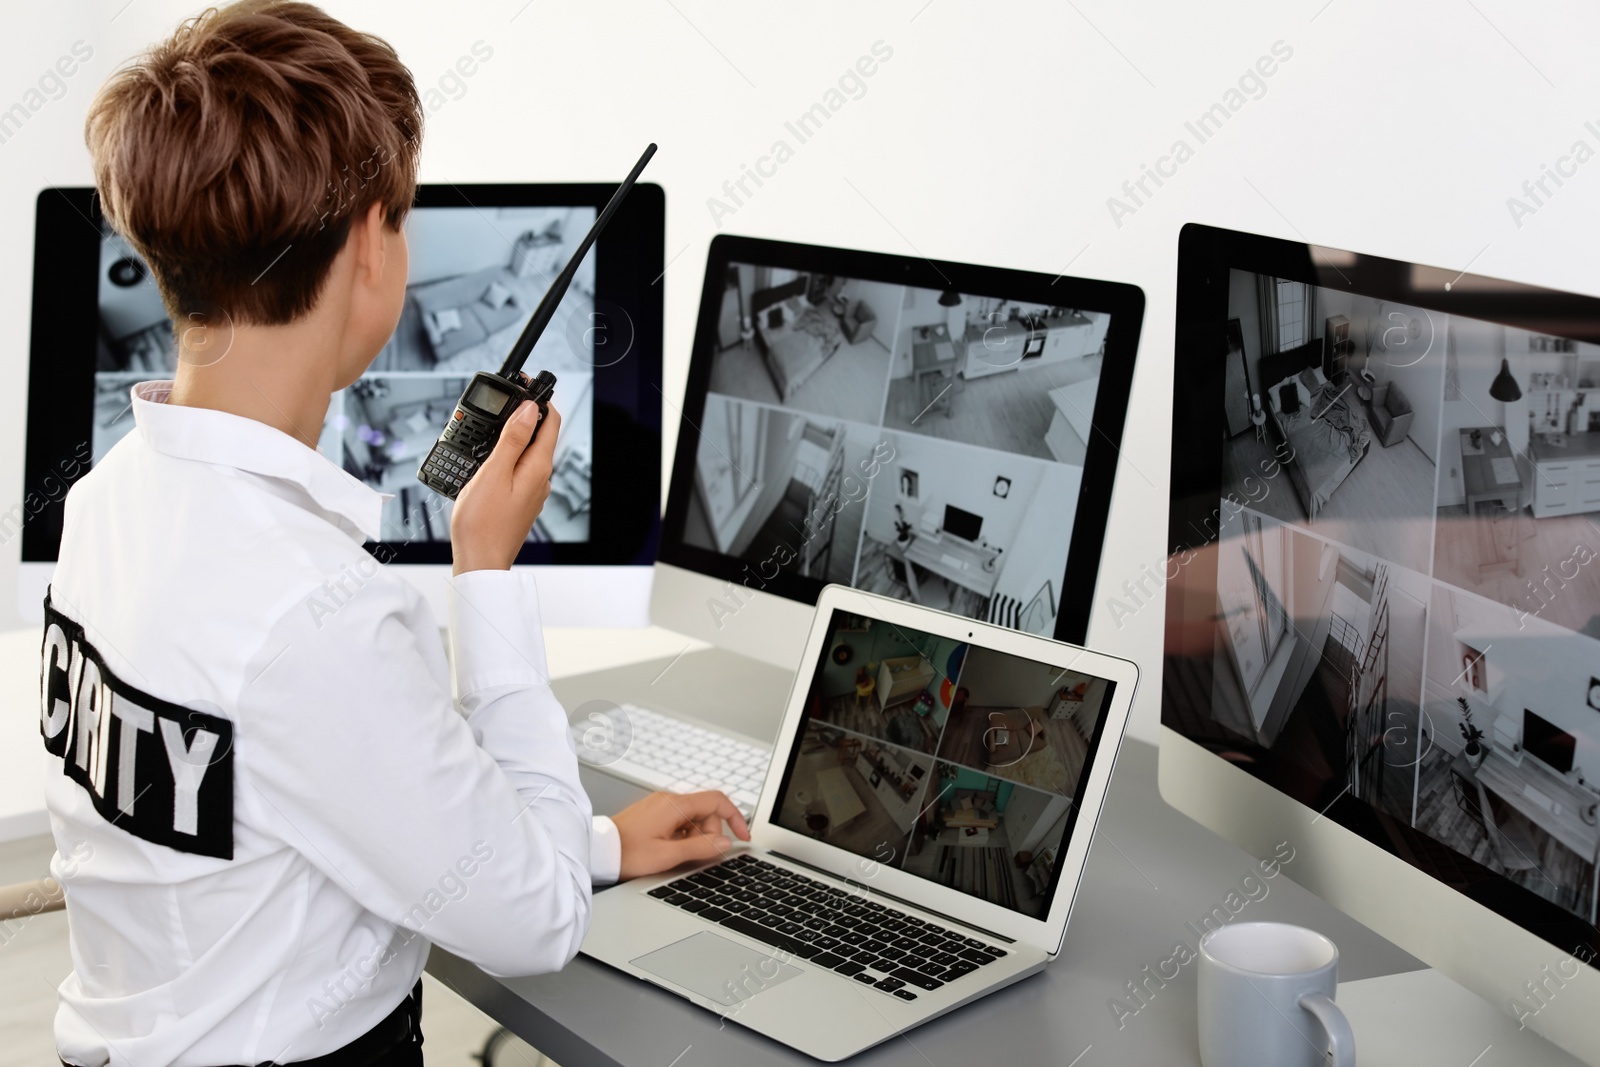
[1206,255]
[1124,302]
[626,448]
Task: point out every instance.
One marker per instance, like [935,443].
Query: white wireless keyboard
[1540,799]
[660,751]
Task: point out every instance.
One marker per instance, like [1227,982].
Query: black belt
[395,1042]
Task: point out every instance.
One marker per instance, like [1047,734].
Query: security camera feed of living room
[475,277]
[1407,584]
[950,761]
[919,444]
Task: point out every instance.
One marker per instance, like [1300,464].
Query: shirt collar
[228,440]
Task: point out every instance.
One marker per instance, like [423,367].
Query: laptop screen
[944,759]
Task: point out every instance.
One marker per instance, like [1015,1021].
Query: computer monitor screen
[948,760]
[480,259]
[1382,547]
[961,523]
[1547,742]
[857,418]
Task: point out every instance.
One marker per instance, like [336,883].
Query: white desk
[1127,916]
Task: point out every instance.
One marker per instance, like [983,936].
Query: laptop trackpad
[717,968]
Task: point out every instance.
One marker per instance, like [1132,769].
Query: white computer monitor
[843,408]
[1383,482]
[481,257]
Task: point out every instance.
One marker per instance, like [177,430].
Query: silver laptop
[917,842]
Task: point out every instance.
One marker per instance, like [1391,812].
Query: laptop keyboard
[818,921]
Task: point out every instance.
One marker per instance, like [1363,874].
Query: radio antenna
[558,289]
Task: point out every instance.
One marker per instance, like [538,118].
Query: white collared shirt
[270,802]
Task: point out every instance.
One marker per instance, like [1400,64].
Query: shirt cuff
[605,851]
[495,633]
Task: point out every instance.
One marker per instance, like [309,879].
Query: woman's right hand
[496,508]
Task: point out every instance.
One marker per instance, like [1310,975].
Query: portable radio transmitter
[490,399]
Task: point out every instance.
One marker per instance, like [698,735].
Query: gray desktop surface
[1151,873]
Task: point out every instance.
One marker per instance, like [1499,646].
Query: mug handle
[1340,1037]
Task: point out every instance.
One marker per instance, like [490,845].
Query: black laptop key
[993,950]
[743,881]
[791,928]
[972,955]
[681,884]
[908,943]
[876,946]
[797,948]
[704,879]
[817,924]
[661,892]
[892,924]
[916,978]
[771,922]
[892,954]
[694,905]
[678,900]
[827,959]
[835,930]
[851,937]
[720,900]
[957,969]
[738,907]
[701,892]
[848,967]
[904,994]
[932,937]
[783,911]
[943,959]
[935,969]
[739,924]
[865,979]
[867,959]
[830,944]
[719,873]
[808,936]
[889,985]
[914,961]
[914,921]
[714,915]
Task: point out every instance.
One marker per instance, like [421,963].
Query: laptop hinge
[866,889]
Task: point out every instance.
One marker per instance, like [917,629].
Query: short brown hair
[234,155]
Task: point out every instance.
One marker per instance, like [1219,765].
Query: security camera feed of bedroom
[919,444]
[1407,606]
[475,276]
[952,762]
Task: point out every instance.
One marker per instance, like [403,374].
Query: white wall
[948,473]
[1036,554]
[1000,680]
[949,153]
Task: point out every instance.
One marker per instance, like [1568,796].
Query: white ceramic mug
[1266,999]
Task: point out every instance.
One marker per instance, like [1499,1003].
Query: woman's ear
[367,233]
